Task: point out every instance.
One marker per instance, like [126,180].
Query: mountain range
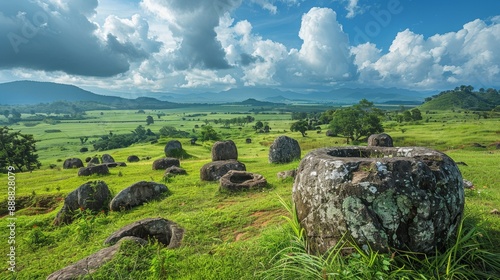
[30,92]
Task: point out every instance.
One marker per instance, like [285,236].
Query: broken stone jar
[409,198]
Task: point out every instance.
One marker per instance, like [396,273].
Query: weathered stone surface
[164,163]
[174,170]
[107,158]
[212,171]
[408,198]
[380,140]
[173,148]
[283,150]
[115,164]
[165,231]
[93,161]
[241,180]
[286,174]
[91,263]
[72,163]
[93,195]
[101,169]
[137,194]
[133,158]
[224,150]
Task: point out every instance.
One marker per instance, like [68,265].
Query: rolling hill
[458,99]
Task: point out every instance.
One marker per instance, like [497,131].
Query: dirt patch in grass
[33,205]
[261,220]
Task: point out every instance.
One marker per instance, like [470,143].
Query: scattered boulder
[133,158]
[115,164]
[84,150]
[93,195]
[468,184]
[93,161]
[497,146]
[88,159]
[380,140]
[213,171]
[286,174]
[330,133]
[165,231]
[164,163]
[174,170]
[91,263]
[409,198]
[248,140]
[173,149]
[136,195]
[106,158]
[224,150]
[283,150]
[72,163]
[100,169]
[241,180]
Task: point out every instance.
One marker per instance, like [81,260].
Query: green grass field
[227,236]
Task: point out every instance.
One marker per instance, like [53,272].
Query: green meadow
[242,235]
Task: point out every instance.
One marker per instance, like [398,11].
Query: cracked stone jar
[409,198]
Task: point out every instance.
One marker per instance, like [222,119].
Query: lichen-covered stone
[213,171]
[164,163]
[137,194]
[163,230]
[405,198]
[224,150]
[93,195]
[173,149]
[380,140]
[284,149]
[101,169]
[133,158]
[241,180]
[72,163]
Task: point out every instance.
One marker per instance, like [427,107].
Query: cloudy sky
[135,46]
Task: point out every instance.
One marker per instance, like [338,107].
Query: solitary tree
[360,120]
[149,120]
[208,133]
[18,150]
[300,126]
[258,125]
[416,115]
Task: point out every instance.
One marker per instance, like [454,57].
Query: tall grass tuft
[466,258]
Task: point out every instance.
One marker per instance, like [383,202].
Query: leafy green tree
[18,150]
[416,115]
[149,120]
[407,117]
[300,126]
[258,125]
[208,133]
[359,120]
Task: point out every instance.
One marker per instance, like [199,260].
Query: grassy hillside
[460,99]
[227,236]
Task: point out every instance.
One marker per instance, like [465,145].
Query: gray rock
[164,163]
[224,150]
[72,163]
[93,195]
[101,169]
[115,164]
[133,158]
[286,174]
[408,198]
[212,171]
[468,184]
[106,158]
[91,263]
[93,161]
[136,195]
[173,149]
[241,180]
[174,170]
[380,140]
[165,231]
[283,150]
[248,140]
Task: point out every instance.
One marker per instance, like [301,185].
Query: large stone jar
[409,198]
